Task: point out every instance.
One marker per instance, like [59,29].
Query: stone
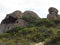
[53,14]
[15,14]
[53,10]
[12,20]
[30,16]
[51,17]
[30,13]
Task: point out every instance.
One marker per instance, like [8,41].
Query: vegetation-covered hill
[27,28]
[41,30]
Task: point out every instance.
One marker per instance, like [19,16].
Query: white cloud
[38,6]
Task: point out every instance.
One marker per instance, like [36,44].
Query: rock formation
[53,14]
[30,16]
[30,13]
[16,19]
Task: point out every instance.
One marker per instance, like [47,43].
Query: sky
[38,6]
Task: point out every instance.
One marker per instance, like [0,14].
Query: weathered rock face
[53,14]
[12,20]
[16,19]
[30,13]
[17,14]
[30,16]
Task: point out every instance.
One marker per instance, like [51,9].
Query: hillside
[29,29]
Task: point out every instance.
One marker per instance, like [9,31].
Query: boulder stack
[53,14]
[15,19]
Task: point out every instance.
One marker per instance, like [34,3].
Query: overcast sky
[38,6]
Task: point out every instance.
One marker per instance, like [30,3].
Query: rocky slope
[15,19]
[29,29]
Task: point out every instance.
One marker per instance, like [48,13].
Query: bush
[45,22]
[53,41]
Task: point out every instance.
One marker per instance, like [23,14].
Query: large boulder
[15,14]
[11,21]
[11,18]
[53,14]
[9,26]
[30,16]
[53,10]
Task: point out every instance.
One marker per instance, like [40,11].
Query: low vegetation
[37,31]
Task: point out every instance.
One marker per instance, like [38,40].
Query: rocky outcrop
[15,19]
[30,16]
[53,14]
[16,14]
